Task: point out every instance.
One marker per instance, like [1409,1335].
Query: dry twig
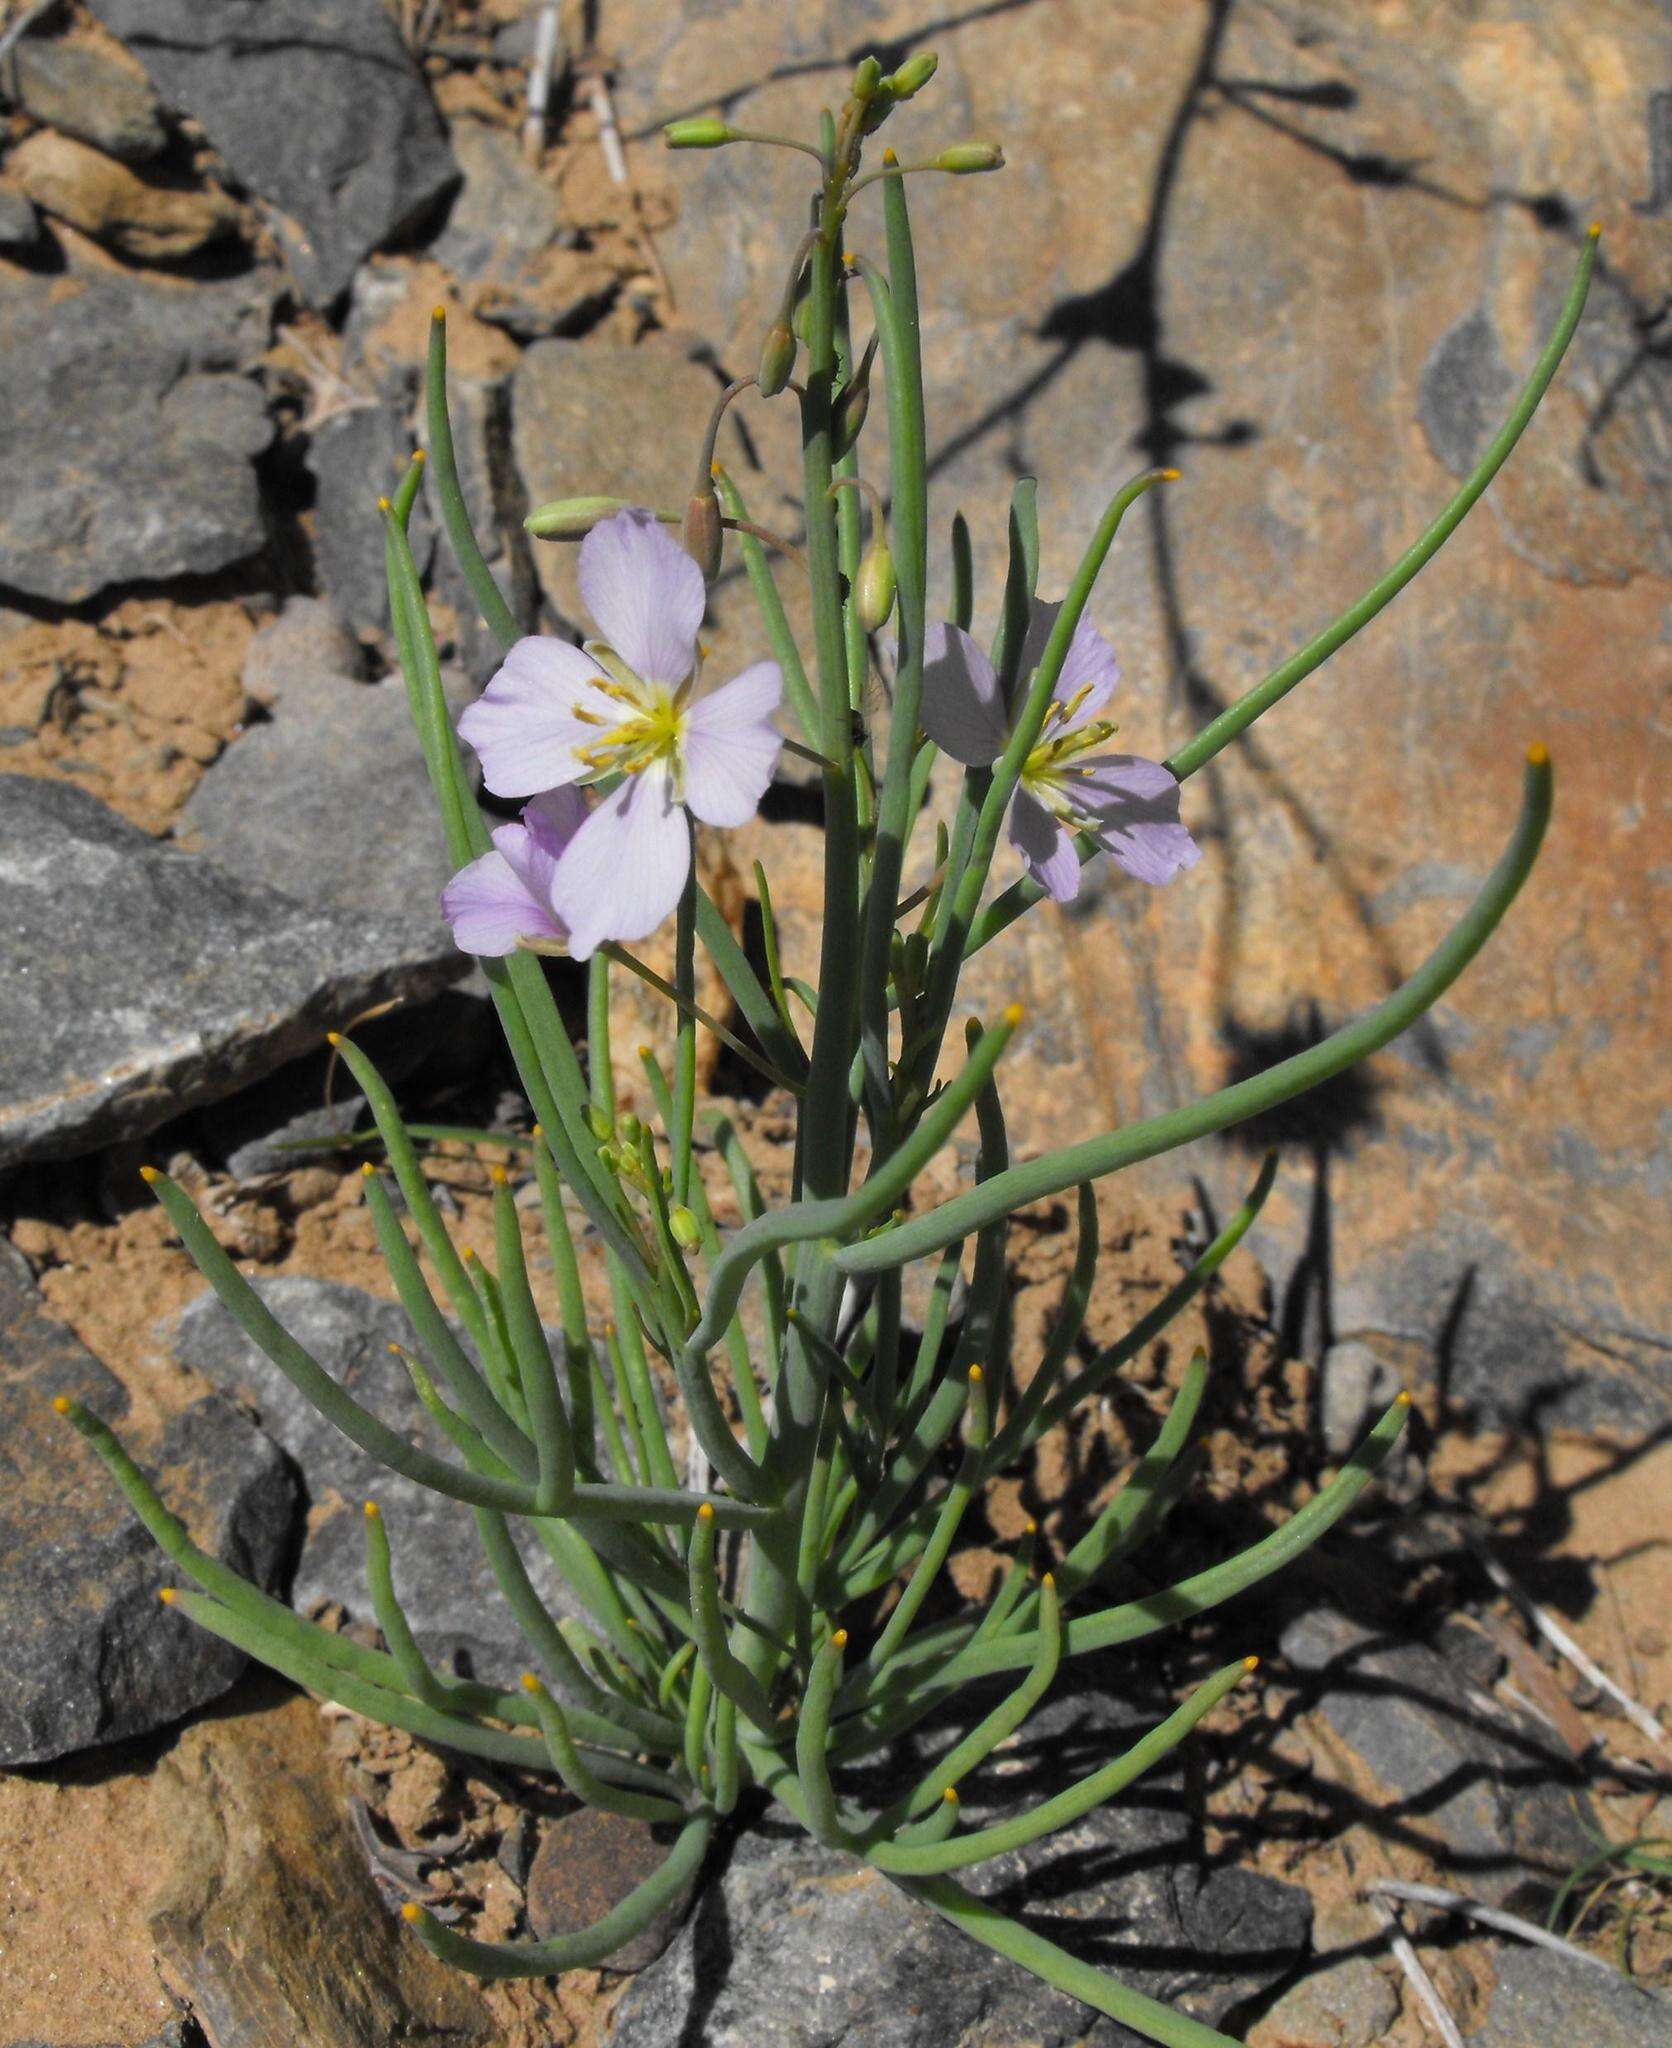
[1419,1979]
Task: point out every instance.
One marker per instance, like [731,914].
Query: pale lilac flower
[556,715]
[1130,806]
[506,895]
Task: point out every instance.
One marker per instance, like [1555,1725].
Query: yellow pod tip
[529,1682]
[714,469]
[1171,476]
[1538,755]
[372,1511]
[1402,1399]
[705,1513]
[1595,231]
[644,1052]
[499,1177]
[1013,1014]
[367,1170]
[1049,1579]
[148,1174]
[384,505]
[396,1349]
[1030,1527]
[950,1795]
[167,1595]
[336,1037]
[976,1375]
[418,455]
[63,1404]
[438,313]
[412,1913]
[1250,1663]
[890,157]
[839,1641]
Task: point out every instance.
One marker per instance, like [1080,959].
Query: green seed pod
[963,159]
[777,360]
[570,518]
[873,590]
[701,533]
[703,133]
[687,1232]
[913,75]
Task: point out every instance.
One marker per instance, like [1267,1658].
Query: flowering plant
[756,1606]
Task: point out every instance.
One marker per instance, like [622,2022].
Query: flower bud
[873,589]
[703,133]
[687,1232]
[629,1127]
[570,518]
[852,404]
[866,78]
[700,532]
[777,360]
[599,1123]
[913,75]
[965,158]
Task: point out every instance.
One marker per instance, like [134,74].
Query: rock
[105,199]
[1356,1385]
[317,110]
[1478,1195]
[1497,1811]
[268,1923]
[503,214]
[328,799]
[352,457]
[90,92]
[1347,2004]
[127,438]
[88,1654]
[450,1596]
[587,1863]
[143,980]
[20,225]
[794,1946]
[1541,1998]
[177,2034]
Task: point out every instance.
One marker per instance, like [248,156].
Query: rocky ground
[1303,249]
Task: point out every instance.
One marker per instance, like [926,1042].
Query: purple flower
[555,715]
[1129,806]
[507,894]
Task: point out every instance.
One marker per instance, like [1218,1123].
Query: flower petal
[624,869]
[1046,845]
[731,746]
[490,904]
[523,726]
[1132,805]
[645,595]
[1089,664]
[961,710]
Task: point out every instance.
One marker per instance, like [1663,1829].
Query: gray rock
[83,91]
[127,439]
[795,1946]
[1346,2004]
[1494,1807]
[142,981]
[316,108]
[1543,1998]
[1355,1386]
[328,798]
[352,457]
[20,224]
[503,214]
[88,1654]
[450,1596]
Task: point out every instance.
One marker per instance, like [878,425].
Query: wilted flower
[623,706]
[1130,806]
[507,894]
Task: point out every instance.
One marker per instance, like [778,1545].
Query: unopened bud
[706,132]
[570,518]
[777,360]
[965,158]
[873,590]
[687,1232]
[866,78]
[700,532]
[600,1123]
[913,75]
[629,1127]
[852,405]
